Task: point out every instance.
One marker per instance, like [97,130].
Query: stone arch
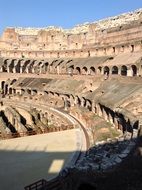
[83,102]
[124,70]
[10,90]
[84,70]
[17,66]
[24,66]
[114,70]
[99,70]
[13,81]
[11,66]
[77,101]
[22,91]
[29,91]
[134,70]
[106,70]
[56,94]
[34,92]
[46,92]
[2,85]
[51,93]
[6,89]
[5,64]
[14,91]
[92,70]
[89,105]
[46,66]
[78,70]
[132,48]
[72,100]
[70,69]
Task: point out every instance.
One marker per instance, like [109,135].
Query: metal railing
[28,133]
[37,185]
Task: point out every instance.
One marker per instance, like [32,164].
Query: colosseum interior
[83,83]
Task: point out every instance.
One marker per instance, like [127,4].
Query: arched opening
[84,70]
[45,92]
[22,91]
[70,70]
[78,71]
[46,66]
[134,70]
[113,49]
[51,94]
[88,53]
[92,70]
[124,70]
[13,81]
[6,89]
[89,105]
[132,48]
[14,91]
[114,70]
[2,85]
[106,70]
[77,101]
[28,91]
[34,92]
[10,90]
[99,70]
[10,66]
[83,102]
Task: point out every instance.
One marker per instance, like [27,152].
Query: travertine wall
[110,36]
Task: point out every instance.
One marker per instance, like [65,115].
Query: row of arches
[63,67]
[69,100]
[124,70]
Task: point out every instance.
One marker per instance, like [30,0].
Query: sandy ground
[27,159]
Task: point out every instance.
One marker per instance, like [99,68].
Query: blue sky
[64,13]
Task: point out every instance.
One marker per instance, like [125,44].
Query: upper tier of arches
[124,65]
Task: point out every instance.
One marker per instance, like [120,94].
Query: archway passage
[114,70]
[92,70]
[106,70]
[124,70]
[134,70]
[78,71]
[84,70]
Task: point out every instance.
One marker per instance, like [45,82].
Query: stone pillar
[33,70]
[105,115]
[119,71]
[1,70]
[65,104]
[82,102]
[110,119]
[21,69]
[129,72]
[14,69]
[71,101]
[27,70]
[40,69]
[8,69]
[58,70]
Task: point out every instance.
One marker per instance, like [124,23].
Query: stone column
[14,69]
[8,69]
[129,72]
[21,69]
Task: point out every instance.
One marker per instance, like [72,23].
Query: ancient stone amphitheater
[88,79]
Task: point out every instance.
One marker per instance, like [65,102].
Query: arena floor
[28,159]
